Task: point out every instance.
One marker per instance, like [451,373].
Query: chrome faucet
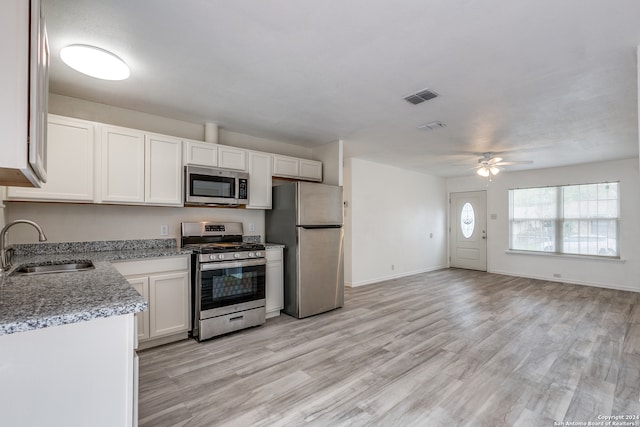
[4,254]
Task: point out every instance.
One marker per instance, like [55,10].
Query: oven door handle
[208,266]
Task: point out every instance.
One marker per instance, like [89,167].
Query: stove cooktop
[208,248]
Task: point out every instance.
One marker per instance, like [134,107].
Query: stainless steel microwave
[214,187]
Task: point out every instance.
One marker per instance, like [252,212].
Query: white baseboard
[395,276]
[573,282]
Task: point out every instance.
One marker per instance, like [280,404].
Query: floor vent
[420,97]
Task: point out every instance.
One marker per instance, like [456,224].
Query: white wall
[93,111]
[390,216]
[331,156]
[88,110]
[2,207]
[614,274]
[63,222]
[262,144]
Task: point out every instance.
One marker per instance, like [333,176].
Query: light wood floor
[446,348]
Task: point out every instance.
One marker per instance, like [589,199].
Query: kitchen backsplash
[96,246]
[252,239]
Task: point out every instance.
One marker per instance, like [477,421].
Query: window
[467,220]
[571,219]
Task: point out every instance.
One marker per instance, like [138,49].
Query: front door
[468,230]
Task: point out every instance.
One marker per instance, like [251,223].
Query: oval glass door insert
[467,220]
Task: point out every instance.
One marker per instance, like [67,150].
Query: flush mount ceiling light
[94,62]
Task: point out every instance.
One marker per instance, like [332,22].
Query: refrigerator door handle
[312,227]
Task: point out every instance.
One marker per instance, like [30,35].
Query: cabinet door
[259,180]
[169,299]
[70,171]
[122,164]
[163,170]
[200,153]
[232,158]
[141,284]
[274,282]
[310,169]
[286,166]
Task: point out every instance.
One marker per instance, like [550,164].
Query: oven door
[223,284]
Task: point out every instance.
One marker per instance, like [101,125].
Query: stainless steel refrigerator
[307,219]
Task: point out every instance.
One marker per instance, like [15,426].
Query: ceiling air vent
[420,97]
[432,125]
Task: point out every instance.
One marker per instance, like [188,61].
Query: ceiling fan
[488,164]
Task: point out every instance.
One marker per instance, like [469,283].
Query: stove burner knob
[236,255]
[221,256]
[258,254]
[251,254]
[212,256]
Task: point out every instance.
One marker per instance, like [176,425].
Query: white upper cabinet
[232,158]
[200,153]
[139,168]
[163,170]
[214,155]
[311,170]
[122,165]
[259,180]
[293,167]
[24,84]
[70,164]
[286,166]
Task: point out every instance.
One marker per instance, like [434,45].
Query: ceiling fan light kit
[488,165]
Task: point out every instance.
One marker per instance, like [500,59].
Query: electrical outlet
[252,228]
[164,230]
[393,267]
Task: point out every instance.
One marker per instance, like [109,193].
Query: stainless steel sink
[55,267]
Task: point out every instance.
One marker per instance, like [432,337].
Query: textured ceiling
[550,81]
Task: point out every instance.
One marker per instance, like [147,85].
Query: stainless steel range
[228,278]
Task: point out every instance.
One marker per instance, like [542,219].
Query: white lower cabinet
[141,284]
[274,282]
[164,283]
[169,297]
[79,374]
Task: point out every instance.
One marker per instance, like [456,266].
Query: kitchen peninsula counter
[29,302]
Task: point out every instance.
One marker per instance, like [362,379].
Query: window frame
[560,220]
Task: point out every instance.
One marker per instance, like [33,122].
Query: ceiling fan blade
[522,162]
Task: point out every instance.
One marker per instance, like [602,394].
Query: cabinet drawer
[154,265]
[273,254]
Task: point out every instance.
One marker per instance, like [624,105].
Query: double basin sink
[54,267]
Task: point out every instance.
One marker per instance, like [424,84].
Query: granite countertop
[273,245]
[46,300]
